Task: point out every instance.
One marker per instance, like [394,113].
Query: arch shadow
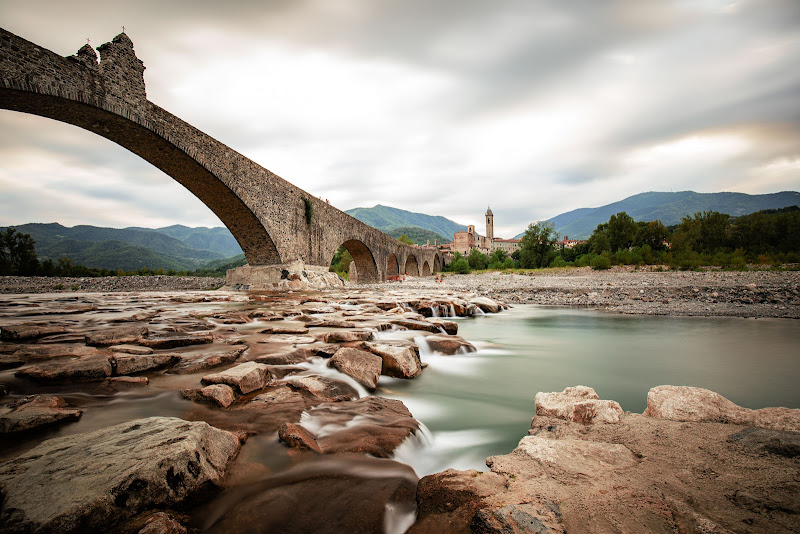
[366,271]
[392,269]
[412,268]
[426,268]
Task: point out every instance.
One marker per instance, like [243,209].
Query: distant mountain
[669,208]
[419,236]
[115,248]
[218,239]
[386,218]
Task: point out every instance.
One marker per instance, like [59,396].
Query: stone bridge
[279,226]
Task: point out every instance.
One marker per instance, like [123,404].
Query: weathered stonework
[266,214]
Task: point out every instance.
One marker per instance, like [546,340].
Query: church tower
[490,228]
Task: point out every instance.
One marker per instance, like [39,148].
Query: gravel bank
[41,284]
[732,294]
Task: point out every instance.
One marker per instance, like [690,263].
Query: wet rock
[448,501]
[190,364]
[129,380]
[486,304]
[324,351]
[62,338]
[136,317]
[580,404]
[10,361]
[161,523]
[25,332]
[685,403]
[778,442]
[116,336]
[289,339]
[297,437]
[285,357]
[33,353]
[245,377]
[364,367]
[345,336]
[128,364]
[450,344]
[414,324]
[372,425]
[284,329]
[171,342]
[85,368]
[449,327]
[220,394]
[34,412]
[342,494]
[537,456]
[322,388]
[90,482]
[400,360]
[131,349]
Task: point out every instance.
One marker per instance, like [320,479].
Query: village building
[464,241]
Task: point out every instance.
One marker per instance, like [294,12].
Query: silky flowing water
[471,405]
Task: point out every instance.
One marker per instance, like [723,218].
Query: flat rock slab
[10,361]
[131,349]
[449,344]
[86,368]
[449,327]
[24,332]
[556,457]
[400,359]
[129,364]
[34,412]
[364,367]
[346,335]
[580,404]
[219,394]
[285,357]
[769,441]
[194,364]
[322,388]
[171,342]
[293,339]
[116,336]
[372,425]
[284,329]
[245,377]
[413,324]
[89,482]
[35,353]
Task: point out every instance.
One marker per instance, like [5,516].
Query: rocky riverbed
[220,411]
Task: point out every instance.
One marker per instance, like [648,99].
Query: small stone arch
[392,267]
[426,268]
[366,271]
[412,267]
[437,264]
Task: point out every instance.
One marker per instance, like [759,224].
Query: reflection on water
[480,404]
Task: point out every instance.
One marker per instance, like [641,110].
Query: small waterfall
[478,311]
[435,311]
[452,310]
[424,348]
[399,517]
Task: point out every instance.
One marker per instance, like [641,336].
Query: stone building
[464,241]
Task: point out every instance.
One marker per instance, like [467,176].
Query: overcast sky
[438,106]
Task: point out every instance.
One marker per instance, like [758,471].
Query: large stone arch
[366,268]
[412,267]
[392,268]
[426,268]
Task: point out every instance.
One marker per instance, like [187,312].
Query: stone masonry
[275,223]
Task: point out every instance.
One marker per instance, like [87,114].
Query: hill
[115,248]
[386,218]
[419,236]
[669,208]
[218,239]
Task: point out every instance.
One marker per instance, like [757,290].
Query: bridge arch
[437,264]
[426,268]
[392,268]
[366,267]
[412,267]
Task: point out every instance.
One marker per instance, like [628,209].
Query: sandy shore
[731,294]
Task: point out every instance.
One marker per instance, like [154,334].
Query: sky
[442,107]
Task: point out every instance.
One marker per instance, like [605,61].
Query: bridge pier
[281,277]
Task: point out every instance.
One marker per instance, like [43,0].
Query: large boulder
[686,403]
[34,412]
[400,359]
[245,377]
[220,394]
[342,336]
[364,367]
[446,344]
[580,404]
[90,482]
[486,304]
[322,388]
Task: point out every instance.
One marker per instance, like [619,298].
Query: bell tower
[490,228]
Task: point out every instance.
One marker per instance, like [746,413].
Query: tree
[537,246]
[17,254]
[621,231]
[652,234]
[405,239]
[477,259]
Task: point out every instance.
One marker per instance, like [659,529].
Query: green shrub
[601,262]
[460,266]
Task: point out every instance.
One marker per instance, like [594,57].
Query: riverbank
[709,294]
[43,284]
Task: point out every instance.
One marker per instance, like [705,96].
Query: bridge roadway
[278,225]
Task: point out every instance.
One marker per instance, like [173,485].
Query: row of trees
[708,238]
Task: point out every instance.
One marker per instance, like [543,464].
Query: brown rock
[36,411]
[322,388]
[297,437]
[580,404]
[414,324]
[130,380]
[284,329]
[486,304]
[449,344]
[364,367]
[539,517]
[161,523]
[171,342]
[128,364]
[9,361]
[190,364]
[32,353]
[220,394]
[449,327]
[285,357]
[131,349]
[86,368]
[348,335]
[245,377]
[400,360]
[116,336]
[24,332]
